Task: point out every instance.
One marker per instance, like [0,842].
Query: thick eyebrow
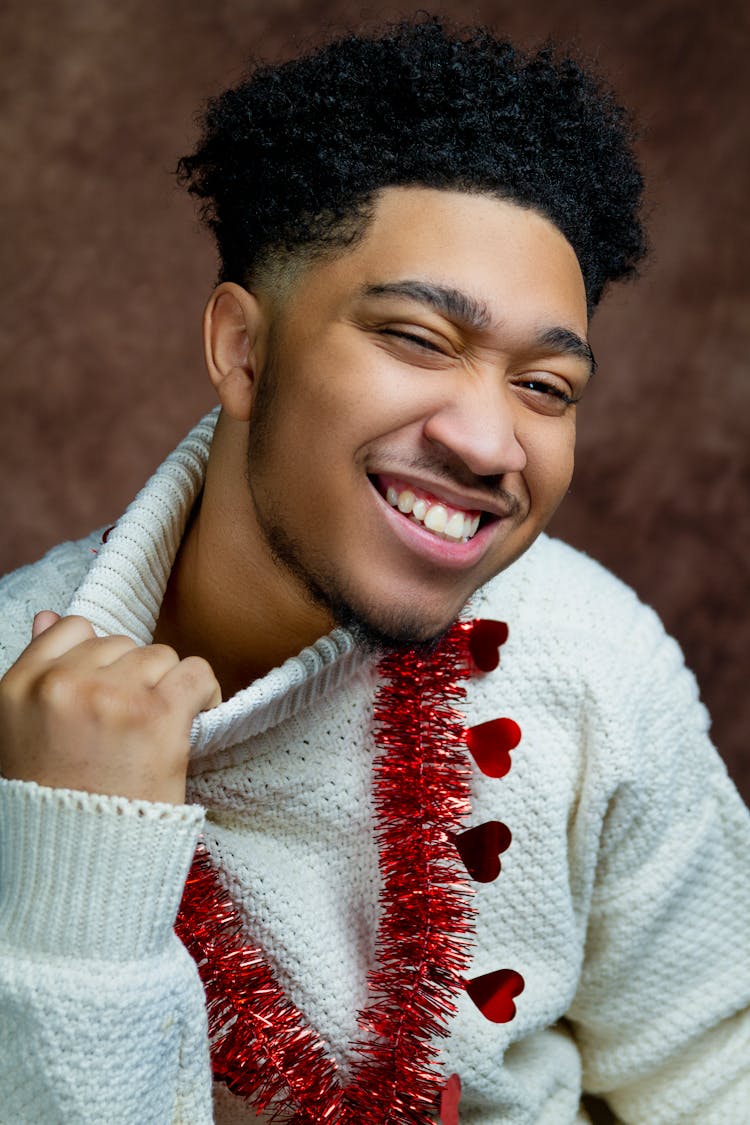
[566,342]
[450,302]
[472,313]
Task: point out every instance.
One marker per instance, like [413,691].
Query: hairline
[279,268]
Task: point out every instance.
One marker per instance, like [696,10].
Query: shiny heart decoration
[480,848]
[490,745]
[494,993]
[450,1096]
[485,638]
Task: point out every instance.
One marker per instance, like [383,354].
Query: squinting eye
[540,387]
[412,338]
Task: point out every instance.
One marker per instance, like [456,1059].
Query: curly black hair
[290,160]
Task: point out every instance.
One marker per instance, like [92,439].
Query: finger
[148,663]
[60,637]
[42,622]
[98,652]
[191,686]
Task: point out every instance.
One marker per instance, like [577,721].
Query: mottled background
[104,274]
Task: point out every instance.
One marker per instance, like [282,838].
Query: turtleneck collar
[124,588]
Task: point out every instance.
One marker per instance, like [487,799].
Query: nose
[479,424]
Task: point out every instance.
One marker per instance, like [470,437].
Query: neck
[228,600]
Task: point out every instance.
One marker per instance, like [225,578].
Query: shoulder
[575,625]
[600,691]
[47,584]
[562,594]
[554,579]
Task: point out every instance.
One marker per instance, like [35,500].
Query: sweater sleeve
[102,1012]
[662,1014]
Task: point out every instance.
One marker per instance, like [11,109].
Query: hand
[101,714]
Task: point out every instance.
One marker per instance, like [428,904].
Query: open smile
[433,524]
[434,513]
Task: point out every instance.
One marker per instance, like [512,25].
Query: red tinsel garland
[262,1046]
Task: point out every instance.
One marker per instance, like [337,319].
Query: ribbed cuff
[91,876]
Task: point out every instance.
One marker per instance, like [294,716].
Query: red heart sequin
[480,848]
[491,743]
[485,639]
[450,1096]
[493,994]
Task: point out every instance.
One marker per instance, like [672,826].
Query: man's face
[420,430]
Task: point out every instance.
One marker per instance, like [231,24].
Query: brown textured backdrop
[104,276]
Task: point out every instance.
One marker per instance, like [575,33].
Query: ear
[233,327]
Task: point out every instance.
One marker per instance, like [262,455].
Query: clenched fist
[101,714]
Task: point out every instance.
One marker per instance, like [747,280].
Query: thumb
[42,621]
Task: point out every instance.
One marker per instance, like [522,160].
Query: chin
[391,630]
[378,628]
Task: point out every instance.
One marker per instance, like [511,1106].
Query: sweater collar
[124,587]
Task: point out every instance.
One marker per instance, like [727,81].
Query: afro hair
[291,159]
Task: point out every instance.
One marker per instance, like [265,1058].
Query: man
[413,230]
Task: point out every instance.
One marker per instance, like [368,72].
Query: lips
[437,514]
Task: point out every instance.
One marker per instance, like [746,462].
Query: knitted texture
[623,898]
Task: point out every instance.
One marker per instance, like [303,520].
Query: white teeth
[455,526]
[458,527]
[406,502]
[436,519]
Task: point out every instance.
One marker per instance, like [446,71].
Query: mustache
[458,475]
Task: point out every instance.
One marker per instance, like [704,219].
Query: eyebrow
[566,342]
[444,299]
[473,313]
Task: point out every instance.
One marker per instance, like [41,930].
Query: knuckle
[95,699]
[123,640]
[197,666]
[199,671]
[124,709]
[161,652]
[80,624]
[111,646]
[56,687]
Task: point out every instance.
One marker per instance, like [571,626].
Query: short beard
[401,634]
[323,590]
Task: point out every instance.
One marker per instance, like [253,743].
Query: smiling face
[419,430]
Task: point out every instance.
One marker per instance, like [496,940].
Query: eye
[545,395]
[413,339]
[538,386]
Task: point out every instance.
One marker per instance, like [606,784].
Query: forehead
[509,258]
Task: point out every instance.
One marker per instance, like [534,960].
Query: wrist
[89,875]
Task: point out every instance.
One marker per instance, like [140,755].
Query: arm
[102,1009]
[662,1013]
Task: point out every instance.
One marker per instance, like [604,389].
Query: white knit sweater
[623,900]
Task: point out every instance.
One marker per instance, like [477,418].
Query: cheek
[550,466]
[326,413]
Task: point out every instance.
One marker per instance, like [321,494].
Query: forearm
[102,1009]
